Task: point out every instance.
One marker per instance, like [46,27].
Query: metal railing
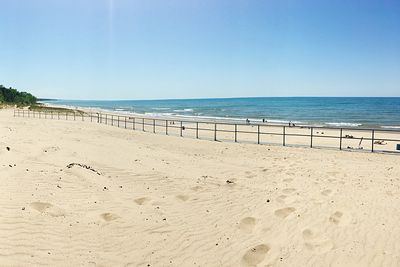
[215,129]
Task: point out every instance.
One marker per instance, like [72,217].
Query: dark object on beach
[229,182]
[69,166]
[348,136]
[8,148]
[398,147]
[247,121]
[359,144]
[183,127]
[380,142]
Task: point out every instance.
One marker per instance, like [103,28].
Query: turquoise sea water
[381,112]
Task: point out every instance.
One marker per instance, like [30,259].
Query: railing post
[125,121]
[235,133]
[372,140]
[134,124]
[197,130]
[154,126]
[58,114]
[112,120]
[341,136]
[118,121]
[311,144]
[74,115]
[106,119]
[284,136]
[215,132]
[181,129]
[143,124]
[91,117]
[166,127]
[258,134]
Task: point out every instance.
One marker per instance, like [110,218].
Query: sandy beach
[86,194]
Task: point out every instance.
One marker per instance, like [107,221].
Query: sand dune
[139,199]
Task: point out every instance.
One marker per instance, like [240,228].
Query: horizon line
[209,98]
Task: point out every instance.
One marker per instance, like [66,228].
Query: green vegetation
[41,107]
[11,96]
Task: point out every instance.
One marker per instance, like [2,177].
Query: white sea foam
[161,108]
[184,110]
[390,127]
[155,114]
[343,124]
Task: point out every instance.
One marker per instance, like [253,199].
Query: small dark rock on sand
[8,148]
[229,182]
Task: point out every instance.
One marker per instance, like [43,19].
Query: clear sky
[153,49]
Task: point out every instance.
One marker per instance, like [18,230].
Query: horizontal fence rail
[345,138]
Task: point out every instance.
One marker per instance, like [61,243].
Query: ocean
[383,112]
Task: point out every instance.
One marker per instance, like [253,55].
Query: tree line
[13,96]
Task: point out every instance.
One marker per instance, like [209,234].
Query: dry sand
[139,199]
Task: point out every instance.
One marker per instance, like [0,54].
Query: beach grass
[41,107]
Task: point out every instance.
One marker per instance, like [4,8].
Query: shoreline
[229,120]
[374,140]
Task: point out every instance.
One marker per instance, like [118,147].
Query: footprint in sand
[327,192]
[255,255]
[289,190]
[335,218]
[109,216]
[41,206]
[247,224]
[283,213]
[182,197]
[142,200]
[44,207]
[339,218]
[196,188]
[316,243]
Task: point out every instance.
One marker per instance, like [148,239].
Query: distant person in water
[247,121]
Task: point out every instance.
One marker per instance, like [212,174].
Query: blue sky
[128,49]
